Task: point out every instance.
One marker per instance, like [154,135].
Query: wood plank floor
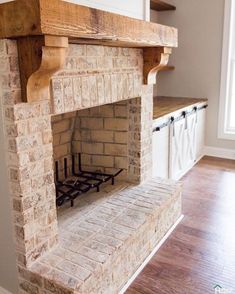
[201,251]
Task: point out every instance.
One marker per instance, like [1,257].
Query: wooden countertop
[165,105]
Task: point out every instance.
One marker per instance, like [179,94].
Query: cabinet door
[177,149]
[161,153]
[190,141]
[200,141]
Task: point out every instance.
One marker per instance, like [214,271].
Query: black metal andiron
[79,182]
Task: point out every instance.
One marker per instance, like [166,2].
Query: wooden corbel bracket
[155,59]
[39,58]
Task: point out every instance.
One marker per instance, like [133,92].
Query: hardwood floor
[200,253]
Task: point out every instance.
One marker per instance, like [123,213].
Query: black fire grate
[79,182]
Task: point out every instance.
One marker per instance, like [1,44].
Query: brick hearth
[105,238]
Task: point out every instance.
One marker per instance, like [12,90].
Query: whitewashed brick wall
[97,75]
[28,141]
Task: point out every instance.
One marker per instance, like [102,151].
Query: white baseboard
[139,270]
[219,152]
[4,291]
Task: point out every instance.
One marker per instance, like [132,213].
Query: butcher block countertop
[165,105]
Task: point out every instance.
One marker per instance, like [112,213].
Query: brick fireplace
[96,105]
[100,110]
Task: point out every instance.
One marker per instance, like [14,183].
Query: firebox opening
[90,148]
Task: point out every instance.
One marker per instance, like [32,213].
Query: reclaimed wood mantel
[44,28]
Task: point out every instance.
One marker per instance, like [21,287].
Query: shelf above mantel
[22,18]
[159,5]
[167,68]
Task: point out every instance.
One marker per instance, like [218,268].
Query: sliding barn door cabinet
[178,141]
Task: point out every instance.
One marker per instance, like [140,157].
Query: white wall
[132,8]
[233,33]
[8,272]
[198,58]
[8,275]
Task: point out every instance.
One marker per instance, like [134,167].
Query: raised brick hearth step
[105,238]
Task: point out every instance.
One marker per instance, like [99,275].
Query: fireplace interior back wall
[100,134]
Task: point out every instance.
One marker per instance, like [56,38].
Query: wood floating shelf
[167,68]
[44,28]
[159,5]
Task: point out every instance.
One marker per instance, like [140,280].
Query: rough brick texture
[63,129]
[94,137]
[100,134]
[28,140]
[97,75]
[109,137]
[113,136]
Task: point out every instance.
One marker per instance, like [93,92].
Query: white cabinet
[200,136]
[183,146]
[177,149]
[190,140]
[178,144]
[161,153]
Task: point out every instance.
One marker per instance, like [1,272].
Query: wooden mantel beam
[21,18]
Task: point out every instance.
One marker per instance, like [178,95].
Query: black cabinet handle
[182,116]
